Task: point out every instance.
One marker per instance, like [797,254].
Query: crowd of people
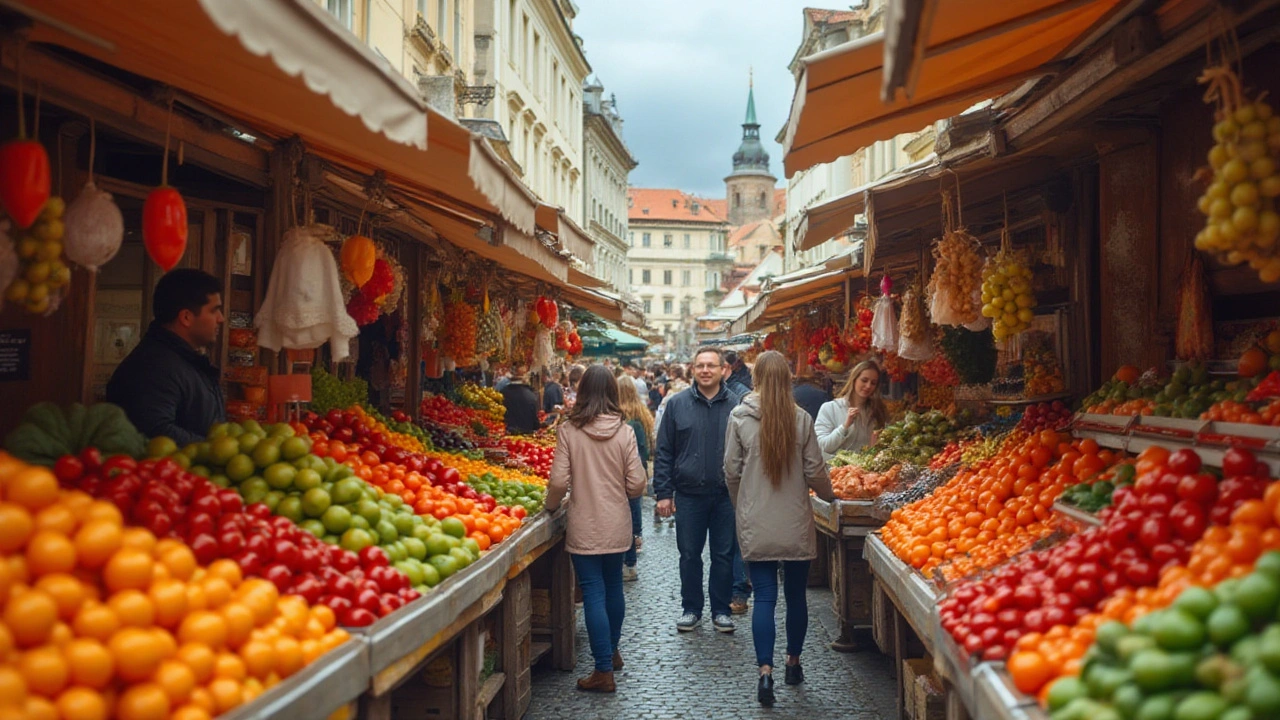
[735,452]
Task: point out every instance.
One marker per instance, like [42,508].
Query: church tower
[749,188]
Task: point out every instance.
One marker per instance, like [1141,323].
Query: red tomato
[1237,462]
[1184,461]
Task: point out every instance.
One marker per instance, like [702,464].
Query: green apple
[307,479]
[280,475]
[290,507]
[337,519]
[315,502]
[347,490]
[356,540]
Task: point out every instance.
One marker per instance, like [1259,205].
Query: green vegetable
[46,433]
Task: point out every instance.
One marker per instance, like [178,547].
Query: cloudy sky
[679,70]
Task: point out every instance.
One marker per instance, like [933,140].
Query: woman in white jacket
[853,420]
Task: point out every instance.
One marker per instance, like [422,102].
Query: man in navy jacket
[689,473]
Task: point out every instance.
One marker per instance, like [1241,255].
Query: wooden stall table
[843,527]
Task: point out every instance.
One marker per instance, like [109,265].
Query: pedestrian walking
[771,461]
[597,464]
[638,417]
[853,420]
[688,478]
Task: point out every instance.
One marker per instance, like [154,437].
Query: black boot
[764,690]
[795,674]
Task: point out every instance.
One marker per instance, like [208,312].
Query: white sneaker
[688,622]
[629,573]
[723,623]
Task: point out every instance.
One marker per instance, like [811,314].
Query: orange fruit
[82,704]
[167,642]
[288,656]
[203,626]
[226,694]
[259,658]
[239,622]
[13,686]
[96,541]
[229,665]
[31,616]
[50,552]
[145,701]
[133,608]
[190,712]
[139,539]
[227,570]
[128,569]
[34,488]
[325,615]
[1253,362]
[169,598]
[217,591]
[58,518]
[39,708]
[45,670]
[137,654]
[96,621]
[90,662]
[200,659]
[67,592]
[176,679]
[196,599]
[180,561]
[103,510]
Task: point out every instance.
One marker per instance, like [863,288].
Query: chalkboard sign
[15,355]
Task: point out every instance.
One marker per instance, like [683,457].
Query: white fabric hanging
[304,307]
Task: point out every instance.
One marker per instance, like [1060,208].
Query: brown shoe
[617,661]
[601,682]
[739,606]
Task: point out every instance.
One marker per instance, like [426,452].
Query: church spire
[751,99]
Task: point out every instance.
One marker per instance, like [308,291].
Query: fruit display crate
[847,517]
[1210,440]
[335,679]
[1083,517]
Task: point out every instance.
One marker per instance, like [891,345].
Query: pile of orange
[1238,412]
[1126,408]
[1223,552]
[988,513]
[98,620]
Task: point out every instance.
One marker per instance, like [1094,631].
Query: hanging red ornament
[164,226]
[24,180]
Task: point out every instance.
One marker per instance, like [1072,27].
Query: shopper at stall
[641,421]
[771,462]
[738,375]
[853,419]
[809,393]
[688,476]
[571,393]
[521,402]
[167,385]
[552,394]
[597,463]
[637,377]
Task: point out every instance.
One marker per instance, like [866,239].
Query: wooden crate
[421,702]
[930,699]
[912,669]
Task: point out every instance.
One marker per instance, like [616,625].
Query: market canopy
[831,219]
[961,52]
[286,67]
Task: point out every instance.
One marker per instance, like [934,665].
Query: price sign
[15,355]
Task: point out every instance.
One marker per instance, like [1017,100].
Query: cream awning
[821,223]
[969,51]
[285,68]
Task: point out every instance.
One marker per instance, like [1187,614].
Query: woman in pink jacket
[598,464]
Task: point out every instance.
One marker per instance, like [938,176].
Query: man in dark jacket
[689,473]
[739,375]
[522,404]
[167,386]
[810,395]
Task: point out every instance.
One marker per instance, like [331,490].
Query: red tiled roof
[716,205]
[669,204]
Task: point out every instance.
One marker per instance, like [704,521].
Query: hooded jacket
[690,446]
[168,388]
[598,466]
[774,523]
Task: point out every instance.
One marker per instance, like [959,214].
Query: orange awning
[972,51]
[288,68]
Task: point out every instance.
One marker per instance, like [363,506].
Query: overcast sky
[679,70]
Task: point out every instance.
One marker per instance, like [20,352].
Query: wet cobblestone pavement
[706,674]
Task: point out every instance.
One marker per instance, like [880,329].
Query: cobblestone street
[705,674]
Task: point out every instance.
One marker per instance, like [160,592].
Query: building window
[442,17]
[667,306]
[632,238]
[648,306]
[512,46]
[645,277]
[631,275]
[644,240]
[762,201]
[666,277]
[341,9]
[686,241]
[737,200]
[685,278]
[666,241]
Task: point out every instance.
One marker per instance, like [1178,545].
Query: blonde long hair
[633,408]
[875,403]
[772,380]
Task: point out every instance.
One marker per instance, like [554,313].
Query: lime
[1247,650]
[1159,707]
[1212,671]
[358,521]
[307,479]
[356,540]
[413,571]
[1127,699]
[1108,634]
[338,472]
[315,502]
[404,524]
[1177,629]
[200,470]
[415,548]
[1130,645]
[182,460]
[221,481]
[1238,712]
[1226,590]
[1226,625]
[446,565]
[249,442]
[437,544]
[1197,601]
[453,526]
[387,531]
[1064,691]
[290,507]
[313,526]
[1257,595]
[267,453]
[1263,696]
[1203,705]
[1152,670]
[452,541]
[430,575]
[273,499]
[161,446]
[280,475]
[472,547]
[462,556]
[1103,681]
[295,447]
[281,430]
[348,490]
[336,519]
[394,501]
[240,468]
[422,531]
[1269,563]
[370,510]
[1269,649]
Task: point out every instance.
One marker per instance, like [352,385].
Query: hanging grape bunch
[1006,295]
[1242,224]
[42,273]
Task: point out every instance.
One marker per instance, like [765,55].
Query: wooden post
[564,655]
[470,657]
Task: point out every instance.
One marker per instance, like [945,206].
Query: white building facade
[607,164]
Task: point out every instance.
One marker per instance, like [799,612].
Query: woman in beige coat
[771,461]
[597,463]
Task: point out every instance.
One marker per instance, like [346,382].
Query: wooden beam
[1105,74]
[123,109]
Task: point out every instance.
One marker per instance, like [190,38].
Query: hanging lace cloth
[304,307]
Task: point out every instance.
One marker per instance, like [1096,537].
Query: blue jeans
[764,579]
[741,588]
[603,606]
[630,559]
[700,517]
